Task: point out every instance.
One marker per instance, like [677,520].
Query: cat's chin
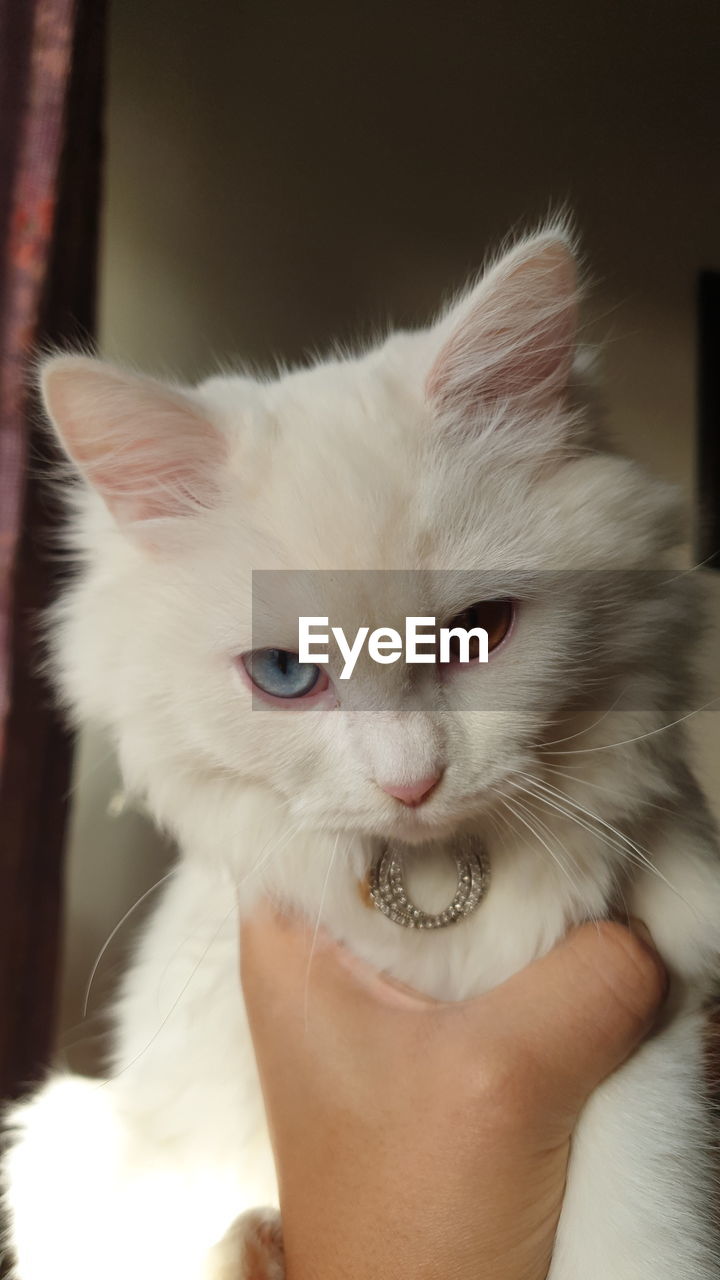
[427,838]
[415,829]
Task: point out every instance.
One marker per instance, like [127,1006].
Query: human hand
[415,1139]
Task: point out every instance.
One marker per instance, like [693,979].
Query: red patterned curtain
[51,59]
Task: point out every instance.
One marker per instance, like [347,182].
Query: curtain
[51,64]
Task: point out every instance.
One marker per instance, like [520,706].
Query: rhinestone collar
[389,894]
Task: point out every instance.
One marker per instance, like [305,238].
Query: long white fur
[467,446]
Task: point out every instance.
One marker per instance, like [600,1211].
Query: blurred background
[277,176]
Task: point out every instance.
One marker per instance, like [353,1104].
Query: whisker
[622,843]
[560,802]
[98,763]
[505,801]
[626,853]
[316,930]
[163,880]
[569,860]
[581,732]
[266,854]
[116,1075]
[596,786]
[263,858]
[626,742]
[684,573]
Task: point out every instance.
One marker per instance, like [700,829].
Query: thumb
[578,1012]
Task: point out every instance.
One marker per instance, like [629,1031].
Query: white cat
[471,448]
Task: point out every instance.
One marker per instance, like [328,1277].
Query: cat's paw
[251,1250]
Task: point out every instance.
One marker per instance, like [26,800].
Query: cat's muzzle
[390,895]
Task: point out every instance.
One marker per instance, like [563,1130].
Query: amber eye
[494,616]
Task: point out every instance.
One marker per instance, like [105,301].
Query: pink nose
[412,793]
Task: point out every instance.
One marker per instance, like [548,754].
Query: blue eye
[280,673]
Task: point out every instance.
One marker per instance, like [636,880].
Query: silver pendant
[388,892]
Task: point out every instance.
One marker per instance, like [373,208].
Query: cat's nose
[412,793]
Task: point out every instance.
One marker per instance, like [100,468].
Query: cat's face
[447,470]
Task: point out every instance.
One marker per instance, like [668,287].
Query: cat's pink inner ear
[515,335]
[148,449]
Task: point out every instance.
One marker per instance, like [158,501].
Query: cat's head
[466,449]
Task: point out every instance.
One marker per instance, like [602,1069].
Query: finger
[274,950]
[581,1010]
[279,953]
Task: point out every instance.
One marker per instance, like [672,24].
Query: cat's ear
[148,449]
[514,337]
